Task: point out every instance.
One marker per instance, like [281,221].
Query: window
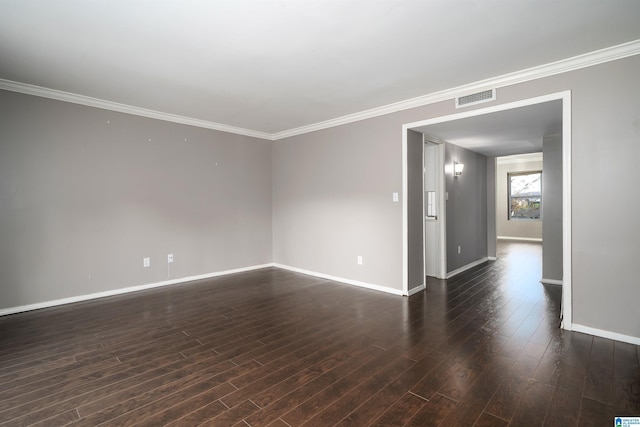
[525,195]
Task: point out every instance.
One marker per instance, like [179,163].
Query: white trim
[127,109]
[492,258]
[526,239]
[567,254]
[491,109]
[550,281]
[466,267]
[405,210]
[80,298]
[417,289]
[424,215]
[606,334]
[442,187]
[565,65]
[589,59]
[340,279]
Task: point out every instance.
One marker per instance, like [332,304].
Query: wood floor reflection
[272,347]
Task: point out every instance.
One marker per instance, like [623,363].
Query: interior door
[433,209]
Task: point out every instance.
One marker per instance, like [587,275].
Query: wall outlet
[396,197]
[359,259]
[146,262]
[459,249]
[170,258]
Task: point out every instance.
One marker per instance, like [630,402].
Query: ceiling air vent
[476,98]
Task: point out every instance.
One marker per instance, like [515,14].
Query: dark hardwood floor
[271,347]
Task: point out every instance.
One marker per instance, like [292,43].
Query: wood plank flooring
[272,347]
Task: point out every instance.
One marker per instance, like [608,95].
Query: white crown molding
[565,65]
[124,108]
[570,64]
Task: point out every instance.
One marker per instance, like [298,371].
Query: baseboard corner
[605,334]
[417,289]
[358,283]
[466,267]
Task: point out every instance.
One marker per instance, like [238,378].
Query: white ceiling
[504,133]
[275,65]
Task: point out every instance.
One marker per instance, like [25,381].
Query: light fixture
[457,168]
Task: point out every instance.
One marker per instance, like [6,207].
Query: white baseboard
[526,239]
[80,298]
[417,289]
[551,281]
[606,334]
[340,279]
[466,267]
[492,258]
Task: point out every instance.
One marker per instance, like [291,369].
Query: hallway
[525,370]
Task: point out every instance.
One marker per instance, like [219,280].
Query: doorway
[565,98]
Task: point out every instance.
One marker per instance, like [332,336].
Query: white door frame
[441,224]
[565,97]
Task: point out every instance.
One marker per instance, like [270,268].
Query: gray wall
[605,155]
[84,196]
[361,163]
[415,206]
[466,207]
[552,208]
[529,229]
[331,194]
[332,201]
